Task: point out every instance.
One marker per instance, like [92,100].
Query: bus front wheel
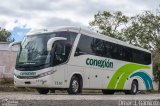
[74,87]
[42,90]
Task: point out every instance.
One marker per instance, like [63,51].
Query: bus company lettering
[100,63]
[28,73]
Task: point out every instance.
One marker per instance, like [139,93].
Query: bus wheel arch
[76,78]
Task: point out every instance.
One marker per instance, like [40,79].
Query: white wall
[7,60]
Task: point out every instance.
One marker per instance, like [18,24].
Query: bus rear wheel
[42,90]
[74,87]
[134,88]
[109,92]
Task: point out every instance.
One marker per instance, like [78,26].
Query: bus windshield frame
[33,54]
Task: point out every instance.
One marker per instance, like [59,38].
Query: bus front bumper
[43,82]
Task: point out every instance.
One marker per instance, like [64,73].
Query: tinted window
[61,50]
[97,46]
[141,57]
[94,46]
[69,35]
[126,53]
[115,52]
[147,58]
[84,46]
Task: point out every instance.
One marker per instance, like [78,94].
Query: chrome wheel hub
[134,88]
[75,85]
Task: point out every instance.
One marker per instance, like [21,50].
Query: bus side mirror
[52,40]
[13,43]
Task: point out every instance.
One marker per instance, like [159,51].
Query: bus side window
[107,47]
[59,55]
[114,51]
[97,46]
[63,49]
[84,46]
[147,58]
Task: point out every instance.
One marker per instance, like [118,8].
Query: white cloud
[11,23]
[50,13]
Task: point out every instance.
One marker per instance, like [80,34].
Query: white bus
[73,59]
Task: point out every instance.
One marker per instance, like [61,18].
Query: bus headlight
[46,73]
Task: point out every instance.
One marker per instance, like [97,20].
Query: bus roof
[86,32]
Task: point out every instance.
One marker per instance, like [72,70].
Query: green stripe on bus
[120,76]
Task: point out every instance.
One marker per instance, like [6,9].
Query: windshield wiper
[30,65]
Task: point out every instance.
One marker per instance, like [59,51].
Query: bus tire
[74,87]
[42,90]
[109,92]
[134,88]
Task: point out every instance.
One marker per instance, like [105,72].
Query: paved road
[34,99]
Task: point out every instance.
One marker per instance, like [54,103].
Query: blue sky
[21,16]
[19,30]
[19,33]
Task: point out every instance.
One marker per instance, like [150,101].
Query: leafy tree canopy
[5,36]
[142,30]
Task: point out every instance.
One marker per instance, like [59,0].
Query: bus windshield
[33,54]
[33,50]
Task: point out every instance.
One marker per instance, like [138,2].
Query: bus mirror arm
[52,40]
[13,43]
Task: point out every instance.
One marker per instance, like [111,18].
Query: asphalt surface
[63,99]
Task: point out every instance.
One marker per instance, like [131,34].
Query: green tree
[5,36]
[110,24]
[144,31]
